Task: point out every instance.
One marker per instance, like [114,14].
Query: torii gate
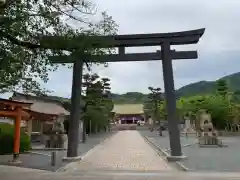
[165,40]
[15,110]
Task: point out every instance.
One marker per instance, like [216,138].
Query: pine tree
[222,88]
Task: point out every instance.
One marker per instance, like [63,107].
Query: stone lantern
[58,136]
[207,134]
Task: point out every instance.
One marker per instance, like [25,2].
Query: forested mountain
[129,98]
[207,87]
[201,87]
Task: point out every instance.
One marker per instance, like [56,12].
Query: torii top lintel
[174,38]
[130,40]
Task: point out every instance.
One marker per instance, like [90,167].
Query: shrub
[7,139]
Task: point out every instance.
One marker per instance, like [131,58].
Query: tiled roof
[128,108]
[41,105]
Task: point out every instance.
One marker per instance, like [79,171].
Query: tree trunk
[156,117]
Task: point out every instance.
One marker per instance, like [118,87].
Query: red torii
[15,110]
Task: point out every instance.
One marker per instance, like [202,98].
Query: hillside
[129,98]
[206,87]
[201,87]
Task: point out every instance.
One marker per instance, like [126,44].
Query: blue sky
[219,51]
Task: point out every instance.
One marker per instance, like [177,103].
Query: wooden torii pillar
[15,110]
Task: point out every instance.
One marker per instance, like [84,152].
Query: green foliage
[7,139]
[129,98]
[218,107]
[222,88]
[148,108]
[98,104]
[221,98]
[151,107]
[221,104]
[24,52]
[194,89]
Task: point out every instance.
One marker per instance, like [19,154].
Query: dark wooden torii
[165,40]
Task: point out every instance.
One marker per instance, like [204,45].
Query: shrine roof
[42,104]
[14,103]
[127,109]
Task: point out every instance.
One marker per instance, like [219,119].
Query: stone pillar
[29,128]
[80,131]
[187,124]
[65,139]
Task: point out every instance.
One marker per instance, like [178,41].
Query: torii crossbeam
[165,40]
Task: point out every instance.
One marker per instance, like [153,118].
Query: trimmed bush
[7,139]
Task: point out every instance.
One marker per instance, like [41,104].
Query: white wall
[10,121]
[5,120]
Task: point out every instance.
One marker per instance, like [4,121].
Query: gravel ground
[42,159]
[204,159]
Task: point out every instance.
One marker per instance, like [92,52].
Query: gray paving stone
[224,159]
[42,159]
[13,173]
[126,150]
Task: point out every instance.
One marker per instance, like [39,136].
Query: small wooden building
[44,110]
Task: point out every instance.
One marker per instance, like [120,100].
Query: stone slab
[71,159]
[212,146]
[176,158]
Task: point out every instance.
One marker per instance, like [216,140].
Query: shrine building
[128,113]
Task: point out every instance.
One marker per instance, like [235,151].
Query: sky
[218,49]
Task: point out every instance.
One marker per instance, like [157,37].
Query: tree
[235,96]
[222,88]
[24,56]
[156,97]
[148,108]
[98,104]
[218,107]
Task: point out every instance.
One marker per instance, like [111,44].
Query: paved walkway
[13,173]
[126,150]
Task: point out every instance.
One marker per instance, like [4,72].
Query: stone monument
[57,136]
[208,136]
[188,128]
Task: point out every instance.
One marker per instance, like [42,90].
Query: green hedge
[7,139]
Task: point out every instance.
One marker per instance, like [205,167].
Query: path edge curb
[164,154]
